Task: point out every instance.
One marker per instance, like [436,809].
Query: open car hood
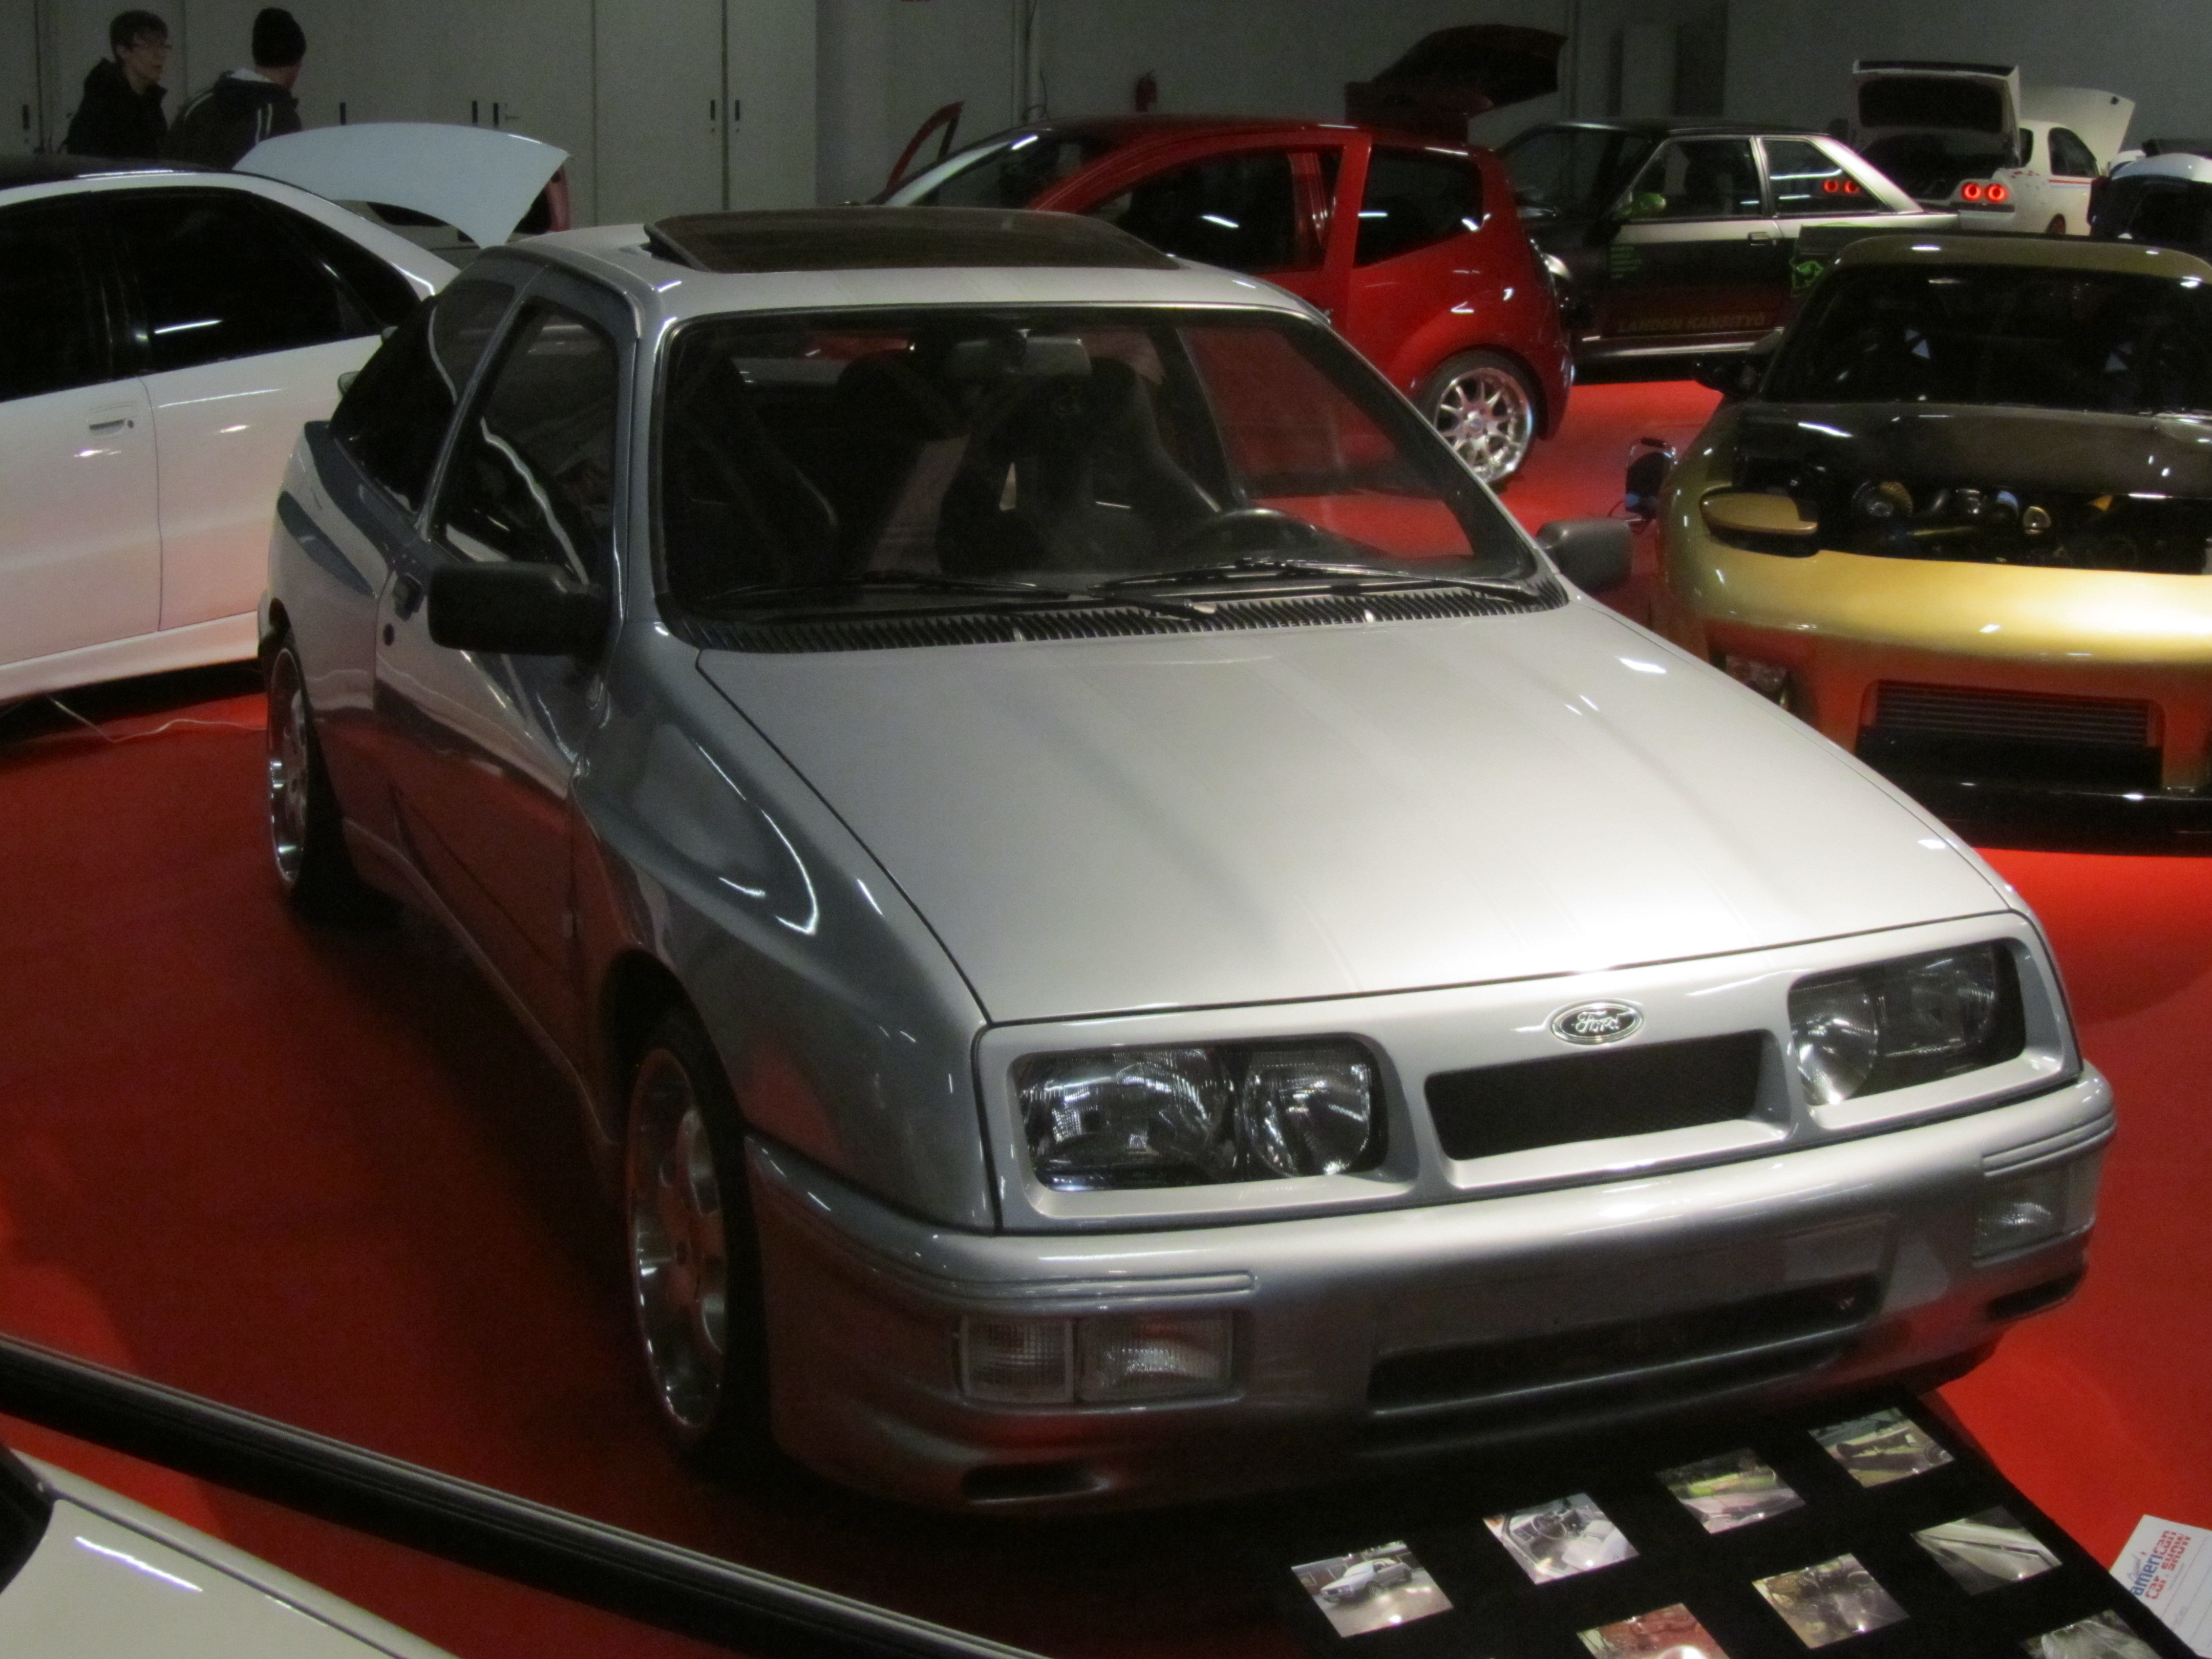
[1456,73]
[479,181]
[2099,119]
[1915,97]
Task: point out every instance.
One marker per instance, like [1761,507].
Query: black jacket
[230,118]
[112,120]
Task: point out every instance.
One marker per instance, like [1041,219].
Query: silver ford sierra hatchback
[1128,934]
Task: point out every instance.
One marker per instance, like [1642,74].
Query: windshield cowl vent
[913,630]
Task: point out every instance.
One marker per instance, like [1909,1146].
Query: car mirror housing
[518,609]
[1594,554]
[1737,375]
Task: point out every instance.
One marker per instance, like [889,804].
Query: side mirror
[1737,375]
[346,380]
[1594,554]
[519,610]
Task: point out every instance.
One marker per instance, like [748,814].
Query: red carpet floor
[326,1177]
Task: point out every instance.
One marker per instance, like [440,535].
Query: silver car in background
[1130,937]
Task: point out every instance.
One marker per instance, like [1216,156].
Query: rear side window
[394,418]
[532,473]
[217,278]
[388,298]
[54,337]
[1807,180]
[2070,156]
[1239,211]
[1414,199]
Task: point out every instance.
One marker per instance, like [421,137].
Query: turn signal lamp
[1111,1359]
[2036,1209]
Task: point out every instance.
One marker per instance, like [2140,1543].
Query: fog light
[1128,1356]
[1018,1362]
[1770,679]
[2024,1214]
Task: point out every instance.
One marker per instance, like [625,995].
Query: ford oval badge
[1588,1024]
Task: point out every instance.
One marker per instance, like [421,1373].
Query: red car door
[1255,203]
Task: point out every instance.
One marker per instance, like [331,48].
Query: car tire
[306,835]
[1483,403]
[694,1252]
[2057,227]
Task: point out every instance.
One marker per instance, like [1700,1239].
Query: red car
[1412,249]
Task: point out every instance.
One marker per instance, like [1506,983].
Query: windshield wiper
[1346,577]
[933,581]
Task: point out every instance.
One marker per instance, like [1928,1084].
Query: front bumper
[1366,1339]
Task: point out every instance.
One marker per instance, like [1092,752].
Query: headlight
[1914,1020]
[1556,273]
[1190,1117]
[1770,679]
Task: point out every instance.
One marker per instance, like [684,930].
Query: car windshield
[1033,455]
[1010,172]
[1567,167]
[2002,334]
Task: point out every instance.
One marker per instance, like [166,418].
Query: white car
[169,331]
[1363,1578]
[1970,136]
[86,1571]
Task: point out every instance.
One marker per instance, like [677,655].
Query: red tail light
[1996,192]
[1971,192]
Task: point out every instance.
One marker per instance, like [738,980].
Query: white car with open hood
[1970,136]
[170,330]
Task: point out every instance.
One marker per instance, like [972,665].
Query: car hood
[1141,823]
[479,181]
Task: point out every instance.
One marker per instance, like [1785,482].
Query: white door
[80,554]
[771,53]
[245,335]
[661,110]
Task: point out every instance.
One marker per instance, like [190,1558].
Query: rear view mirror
[1594,554]
[519,610]
[1737,375]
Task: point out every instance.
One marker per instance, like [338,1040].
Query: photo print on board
[1371,1589]
[1733,1490]
[2101,1636]
[1830,1601]
[1666,1633]
[1884,1447]
[1983,1551]
[1560,1539]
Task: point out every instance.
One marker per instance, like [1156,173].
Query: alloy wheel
[679,1254]
[1486,414]
[288,762]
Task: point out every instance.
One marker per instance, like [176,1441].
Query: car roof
[842,262]
[18,170]
[1677,126]
[897,238]
[1132,129]
[2046,253]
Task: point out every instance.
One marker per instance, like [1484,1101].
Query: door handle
[115,425]
[1761,236]
[407,596]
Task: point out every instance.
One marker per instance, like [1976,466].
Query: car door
[80,547]
[1261,208]
[363,499]
[244,325]
[484,744]
[1415,251]
[2074,172]
[1697,254]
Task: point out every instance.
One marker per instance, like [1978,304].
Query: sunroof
[897,238]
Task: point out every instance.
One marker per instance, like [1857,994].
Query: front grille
[1036,621]
[1952,711]
[1670,1354]
[1637,1089]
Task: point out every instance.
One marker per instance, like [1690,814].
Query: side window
[1807,180]
[1414,199]
[394,417]
[532,473]
[1698,179]
[53,338]
[388,298]
[1018,173]
[1238,211]
[218,278]
[2070,156]
[2027,147]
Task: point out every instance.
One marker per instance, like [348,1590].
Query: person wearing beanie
[120,114]
[245,105]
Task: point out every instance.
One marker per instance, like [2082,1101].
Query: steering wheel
[1241,524]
